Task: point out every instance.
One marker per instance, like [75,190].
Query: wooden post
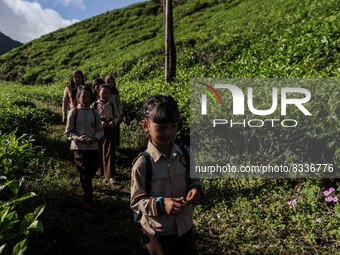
[170,49]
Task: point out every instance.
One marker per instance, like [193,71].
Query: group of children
[92,115]
[162,192]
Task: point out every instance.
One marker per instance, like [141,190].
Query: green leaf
[37,226]
[5,185]
[30,221]
[3,214]
[10,221]
[20,248]
[2,247]
[15,201]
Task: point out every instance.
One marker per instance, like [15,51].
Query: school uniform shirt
[106,110]
[87,123]
[168,180]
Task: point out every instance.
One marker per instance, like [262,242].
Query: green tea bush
[16,154]
[23,120]
[19,113]
[15,227]
[132,135]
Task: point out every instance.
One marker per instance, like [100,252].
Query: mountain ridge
[7,43]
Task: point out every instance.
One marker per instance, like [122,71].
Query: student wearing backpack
[166,206]
[109,117]
[69,98]
[84,129]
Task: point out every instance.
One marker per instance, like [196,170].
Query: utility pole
[170,49]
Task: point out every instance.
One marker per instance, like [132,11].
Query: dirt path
[109,229]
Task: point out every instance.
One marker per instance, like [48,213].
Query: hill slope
[214,38]
[7,43]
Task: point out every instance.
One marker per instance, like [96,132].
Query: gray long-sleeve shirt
[87,123]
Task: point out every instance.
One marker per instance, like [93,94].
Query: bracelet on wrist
[160,205]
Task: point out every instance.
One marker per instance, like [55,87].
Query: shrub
[16,154]
[15,228]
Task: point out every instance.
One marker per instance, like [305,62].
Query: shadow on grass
[108,229]
[57,149]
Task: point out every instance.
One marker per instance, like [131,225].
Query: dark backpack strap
[148,173]
[186,162]
[148,169]
[113,108]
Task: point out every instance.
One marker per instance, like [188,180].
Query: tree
[170,48]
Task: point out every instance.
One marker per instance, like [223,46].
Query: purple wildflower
[292,202]
[335,199]
[318,219]
[326,193]
[329,199]
[331,190]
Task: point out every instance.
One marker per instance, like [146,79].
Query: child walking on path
[167,210]
[109,118]
[84,129]
[69,98]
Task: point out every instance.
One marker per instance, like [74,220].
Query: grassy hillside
[214,38]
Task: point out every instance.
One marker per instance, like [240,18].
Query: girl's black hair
[73,86]
[161,109]
[82,88]
[73,74]
[114,90]
[106,86]
[98,82]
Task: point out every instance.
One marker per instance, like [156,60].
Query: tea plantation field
[42,214]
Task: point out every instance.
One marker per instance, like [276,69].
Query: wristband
[160,204]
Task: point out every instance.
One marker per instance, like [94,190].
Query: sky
[25,20]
